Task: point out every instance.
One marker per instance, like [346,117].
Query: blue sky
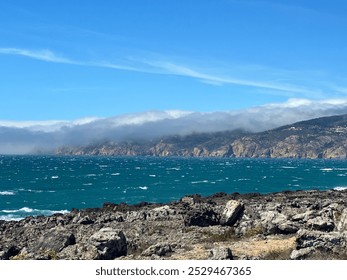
[64,60]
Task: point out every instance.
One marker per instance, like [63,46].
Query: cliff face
[318,138]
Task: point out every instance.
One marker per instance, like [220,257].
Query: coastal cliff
[317,138]
[286,225]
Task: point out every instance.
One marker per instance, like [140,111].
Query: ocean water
[43,185]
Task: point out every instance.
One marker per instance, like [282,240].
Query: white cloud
[23,137]
[44,55]
[180,70]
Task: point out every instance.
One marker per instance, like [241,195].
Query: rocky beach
[285,225]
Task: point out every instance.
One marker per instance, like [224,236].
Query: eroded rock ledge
[286,225]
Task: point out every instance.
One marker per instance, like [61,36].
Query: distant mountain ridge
[324,137]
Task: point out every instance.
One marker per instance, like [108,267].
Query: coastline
[283,225]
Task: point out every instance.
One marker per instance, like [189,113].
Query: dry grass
[274,248]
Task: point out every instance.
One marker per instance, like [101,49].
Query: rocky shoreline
[285,225]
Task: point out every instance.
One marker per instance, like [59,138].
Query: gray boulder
[110,243]
[221,254]
[54,240]
[160,249]
[310,242]
[274,222]
[231,213]
[202,215]
[342,225]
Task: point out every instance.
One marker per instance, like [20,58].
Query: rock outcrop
[286,225]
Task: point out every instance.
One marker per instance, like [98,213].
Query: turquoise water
[34,185]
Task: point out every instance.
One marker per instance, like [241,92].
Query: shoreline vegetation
[284,225]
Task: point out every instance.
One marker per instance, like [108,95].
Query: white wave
[115,174]
[288,167]
[7,193]
[152,175]
[143,188]
[199,182]
[10,218]
[19,214]
[326,169]
[55,177]
[24,209]
[340,188]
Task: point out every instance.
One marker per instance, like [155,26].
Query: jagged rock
[201,215]
[321,223]
[288,227]
[110,243]
[188,199]
[160,249]
[334,242]
[184,230]
[304,216]
[231,213]
[221,254]
[342,225]
[271,221]
[9,253]
[54,240]
[86,221]
[302,253]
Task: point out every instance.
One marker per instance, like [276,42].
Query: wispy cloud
[181,70]
[44,55]
[166,67]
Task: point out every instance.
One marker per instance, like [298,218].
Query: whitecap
[143,188]
[152,175]
[340,188]
[115,174]
[7,193]
[55,177]
[199,182]
[288,167]
[326,169]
